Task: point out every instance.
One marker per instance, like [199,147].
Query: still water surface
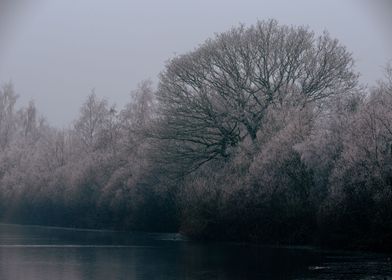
[39,253]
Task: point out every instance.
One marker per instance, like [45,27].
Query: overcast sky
[56,51]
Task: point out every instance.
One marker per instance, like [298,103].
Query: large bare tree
[215,96]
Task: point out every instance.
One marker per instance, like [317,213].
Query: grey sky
[56,51]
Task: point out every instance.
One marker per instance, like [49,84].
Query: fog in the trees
[261,133]
[195,139]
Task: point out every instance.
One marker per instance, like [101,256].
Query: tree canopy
[212,98]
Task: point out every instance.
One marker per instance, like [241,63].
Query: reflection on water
[39,253]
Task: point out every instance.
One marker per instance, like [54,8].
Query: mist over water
[39,253]
[205,122]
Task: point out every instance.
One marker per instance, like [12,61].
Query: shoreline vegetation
[261,134]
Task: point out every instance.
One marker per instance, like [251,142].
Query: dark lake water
[39,253]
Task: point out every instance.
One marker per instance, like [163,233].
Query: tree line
[261,133]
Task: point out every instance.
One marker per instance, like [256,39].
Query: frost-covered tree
[7,114]
[212,98]
[90,125]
